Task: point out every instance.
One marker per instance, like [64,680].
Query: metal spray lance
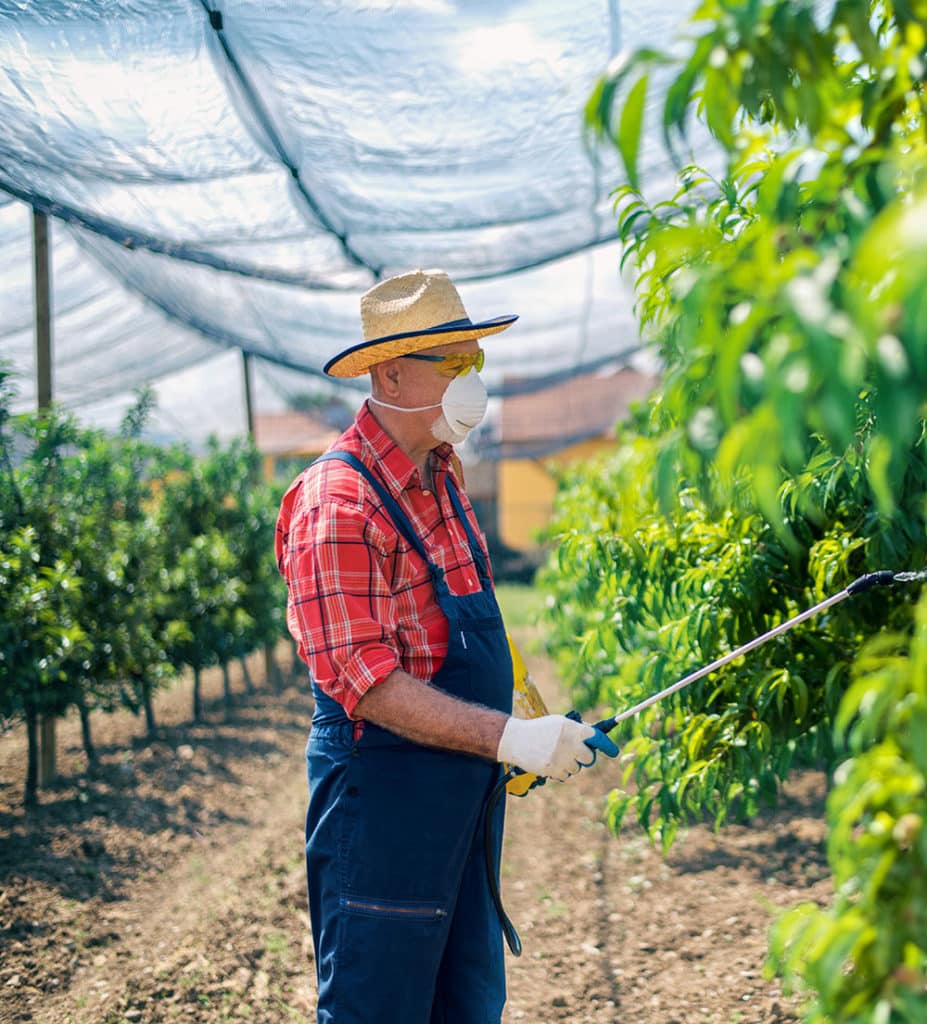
[882,578]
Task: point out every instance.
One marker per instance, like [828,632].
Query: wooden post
[249,407]
[43,363]
[43,390]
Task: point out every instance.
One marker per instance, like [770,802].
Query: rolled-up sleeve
[340,609]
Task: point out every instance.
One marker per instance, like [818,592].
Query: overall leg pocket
[389,954]
[422,911]
[409,815]
[405,827]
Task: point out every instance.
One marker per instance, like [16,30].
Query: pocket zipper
[371,907]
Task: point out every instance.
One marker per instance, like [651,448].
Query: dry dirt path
[169,886]
[612,932]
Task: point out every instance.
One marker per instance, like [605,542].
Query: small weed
[276,943]
[557,909]
[553,907]
[199,871]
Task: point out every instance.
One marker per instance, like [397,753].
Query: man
[391,603]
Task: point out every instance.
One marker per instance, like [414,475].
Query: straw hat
[406,314]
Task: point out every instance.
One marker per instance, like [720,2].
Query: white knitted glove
[552,746]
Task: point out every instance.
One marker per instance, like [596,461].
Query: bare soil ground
[168,884]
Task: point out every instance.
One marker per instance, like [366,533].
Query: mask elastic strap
[402,408]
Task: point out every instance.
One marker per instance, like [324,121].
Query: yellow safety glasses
[455,365]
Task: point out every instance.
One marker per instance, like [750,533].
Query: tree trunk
[47,750]
[246,675]
[30,797]
[271,672]
[151,725]
[296,667]
[86,735]
[197,698]
[300,671]
[226,689]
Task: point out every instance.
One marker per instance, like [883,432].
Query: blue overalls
[403,925]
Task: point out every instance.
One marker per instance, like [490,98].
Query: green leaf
[630,127]
[880,458]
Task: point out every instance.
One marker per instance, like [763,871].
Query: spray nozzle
[910,577]
[883,578]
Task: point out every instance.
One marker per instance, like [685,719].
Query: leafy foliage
[121,563]
[866,954]
[785,296]
[783,455]
[638,600]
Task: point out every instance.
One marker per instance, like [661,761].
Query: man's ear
[386,378]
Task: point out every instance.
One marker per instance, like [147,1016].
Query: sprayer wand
[882,578]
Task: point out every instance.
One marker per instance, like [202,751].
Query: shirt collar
[397,469]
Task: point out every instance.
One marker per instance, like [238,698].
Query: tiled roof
[292,433]
[582,407]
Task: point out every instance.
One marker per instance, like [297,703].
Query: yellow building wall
[527,488]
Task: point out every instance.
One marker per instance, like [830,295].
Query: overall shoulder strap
[394,511]
[475,548]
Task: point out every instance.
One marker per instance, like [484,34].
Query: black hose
[492,868]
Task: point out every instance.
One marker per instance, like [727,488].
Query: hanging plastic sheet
[234,174]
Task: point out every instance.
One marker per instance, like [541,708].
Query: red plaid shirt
[360,601]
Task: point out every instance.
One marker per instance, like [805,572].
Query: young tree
[784,454]
[202,589]
[38,592]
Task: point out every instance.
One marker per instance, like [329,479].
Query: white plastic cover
[235,174]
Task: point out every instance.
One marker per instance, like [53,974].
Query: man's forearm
[419,712]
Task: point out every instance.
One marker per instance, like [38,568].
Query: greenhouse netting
[233,175]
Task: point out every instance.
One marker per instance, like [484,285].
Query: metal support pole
[43,390]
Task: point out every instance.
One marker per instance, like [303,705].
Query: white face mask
[462,407]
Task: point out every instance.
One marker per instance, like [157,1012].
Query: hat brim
[358,359]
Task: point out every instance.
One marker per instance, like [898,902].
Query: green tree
[120,563]
[115,544]
[864,958]
[141,625]
[204,591]
[783,455]
[38,590]
[201,520]
[785,296]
